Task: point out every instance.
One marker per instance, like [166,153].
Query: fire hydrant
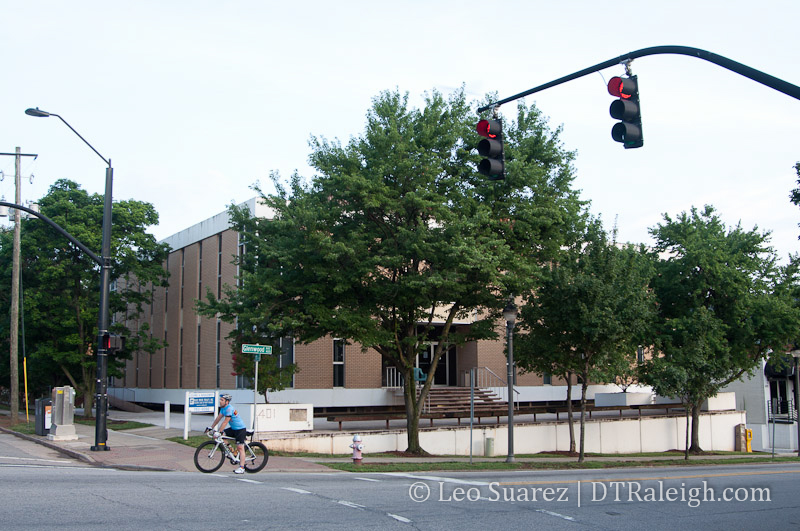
[357,447]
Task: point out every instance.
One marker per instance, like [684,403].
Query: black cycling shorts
[239,435]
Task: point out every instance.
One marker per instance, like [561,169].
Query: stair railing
[486,378]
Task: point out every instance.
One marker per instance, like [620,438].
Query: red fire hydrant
[357,447]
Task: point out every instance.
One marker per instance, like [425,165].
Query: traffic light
[113,342]
[626,108]
[491,147]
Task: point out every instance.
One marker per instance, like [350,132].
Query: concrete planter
[622,399]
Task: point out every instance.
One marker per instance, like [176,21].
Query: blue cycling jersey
[235,423]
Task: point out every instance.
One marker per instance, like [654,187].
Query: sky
[196,101]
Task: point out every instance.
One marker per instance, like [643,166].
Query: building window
[180,358]
[164,381]
[219,267]
[640,354]
[547,379]
[183,263]
[338,362]
[219,341]
[286,358]
[241,249]
[200,270]
[198,356]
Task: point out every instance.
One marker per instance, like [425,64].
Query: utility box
[63,401]
[488,446]
[43,415]
[740,438]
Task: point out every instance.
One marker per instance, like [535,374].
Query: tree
[588,316]
[398,236]
[719,310]
[61,301]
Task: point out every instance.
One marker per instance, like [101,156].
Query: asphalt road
[44,491]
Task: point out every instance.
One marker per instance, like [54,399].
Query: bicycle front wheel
[209,457]
[256,457]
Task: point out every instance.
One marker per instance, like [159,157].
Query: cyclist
[235,426]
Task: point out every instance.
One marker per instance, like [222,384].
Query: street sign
[256,349]
[200,402]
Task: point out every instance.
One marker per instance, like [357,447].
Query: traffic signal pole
[751,73]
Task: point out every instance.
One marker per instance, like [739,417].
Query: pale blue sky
[194,101]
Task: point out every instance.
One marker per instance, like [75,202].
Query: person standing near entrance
[232,425]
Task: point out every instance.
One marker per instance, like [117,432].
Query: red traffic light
[490,128]
[622,87]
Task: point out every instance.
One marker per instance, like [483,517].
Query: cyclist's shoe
[239,470]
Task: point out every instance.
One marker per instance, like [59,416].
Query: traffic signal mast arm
[744,70]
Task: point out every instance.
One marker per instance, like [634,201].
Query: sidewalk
[148,449]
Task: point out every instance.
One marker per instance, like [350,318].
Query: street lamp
[101,385]
[510,315]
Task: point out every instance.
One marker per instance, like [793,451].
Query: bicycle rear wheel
[209,457]
[256,457]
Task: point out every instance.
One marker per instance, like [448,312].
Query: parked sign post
[257,351]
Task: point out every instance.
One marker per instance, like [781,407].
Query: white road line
[298,491]
[437,479]
[368,479]
[249,481]
[399,518]
[32,459]
[12,465]
[351,504]
[551,513]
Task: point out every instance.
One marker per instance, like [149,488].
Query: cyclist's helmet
[226,396]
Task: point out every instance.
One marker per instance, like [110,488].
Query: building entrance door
[446,370]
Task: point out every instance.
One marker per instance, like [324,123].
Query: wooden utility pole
[15,274]
[14,359]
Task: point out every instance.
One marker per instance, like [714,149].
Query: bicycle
[210,455]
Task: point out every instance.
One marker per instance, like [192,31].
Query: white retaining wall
[608,436]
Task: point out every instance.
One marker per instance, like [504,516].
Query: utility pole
[15,260]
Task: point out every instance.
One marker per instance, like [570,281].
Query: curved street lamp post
[101,385]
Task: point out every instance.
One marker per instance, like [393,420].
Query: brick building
[330,373]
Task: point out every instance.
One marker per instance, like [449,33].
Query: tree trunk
[570,420]
[584,386]
[695,448]
[413,412]
[686,441]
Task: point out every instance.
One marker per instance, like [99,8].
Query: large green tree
[398,236]
[588,316]
[720,309]
[61,284]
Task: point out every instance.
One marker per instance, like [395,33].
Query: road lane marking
[438,479]
[298,491]
[248,481]
[654,478]
[368,479]
[351,504]
[34,459]
[551,513]
[399,518]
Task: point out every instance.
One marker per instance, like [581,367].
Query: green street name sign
[256,349]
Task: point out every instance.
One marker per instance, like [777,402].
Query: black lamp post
[510,315]
[101,386]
